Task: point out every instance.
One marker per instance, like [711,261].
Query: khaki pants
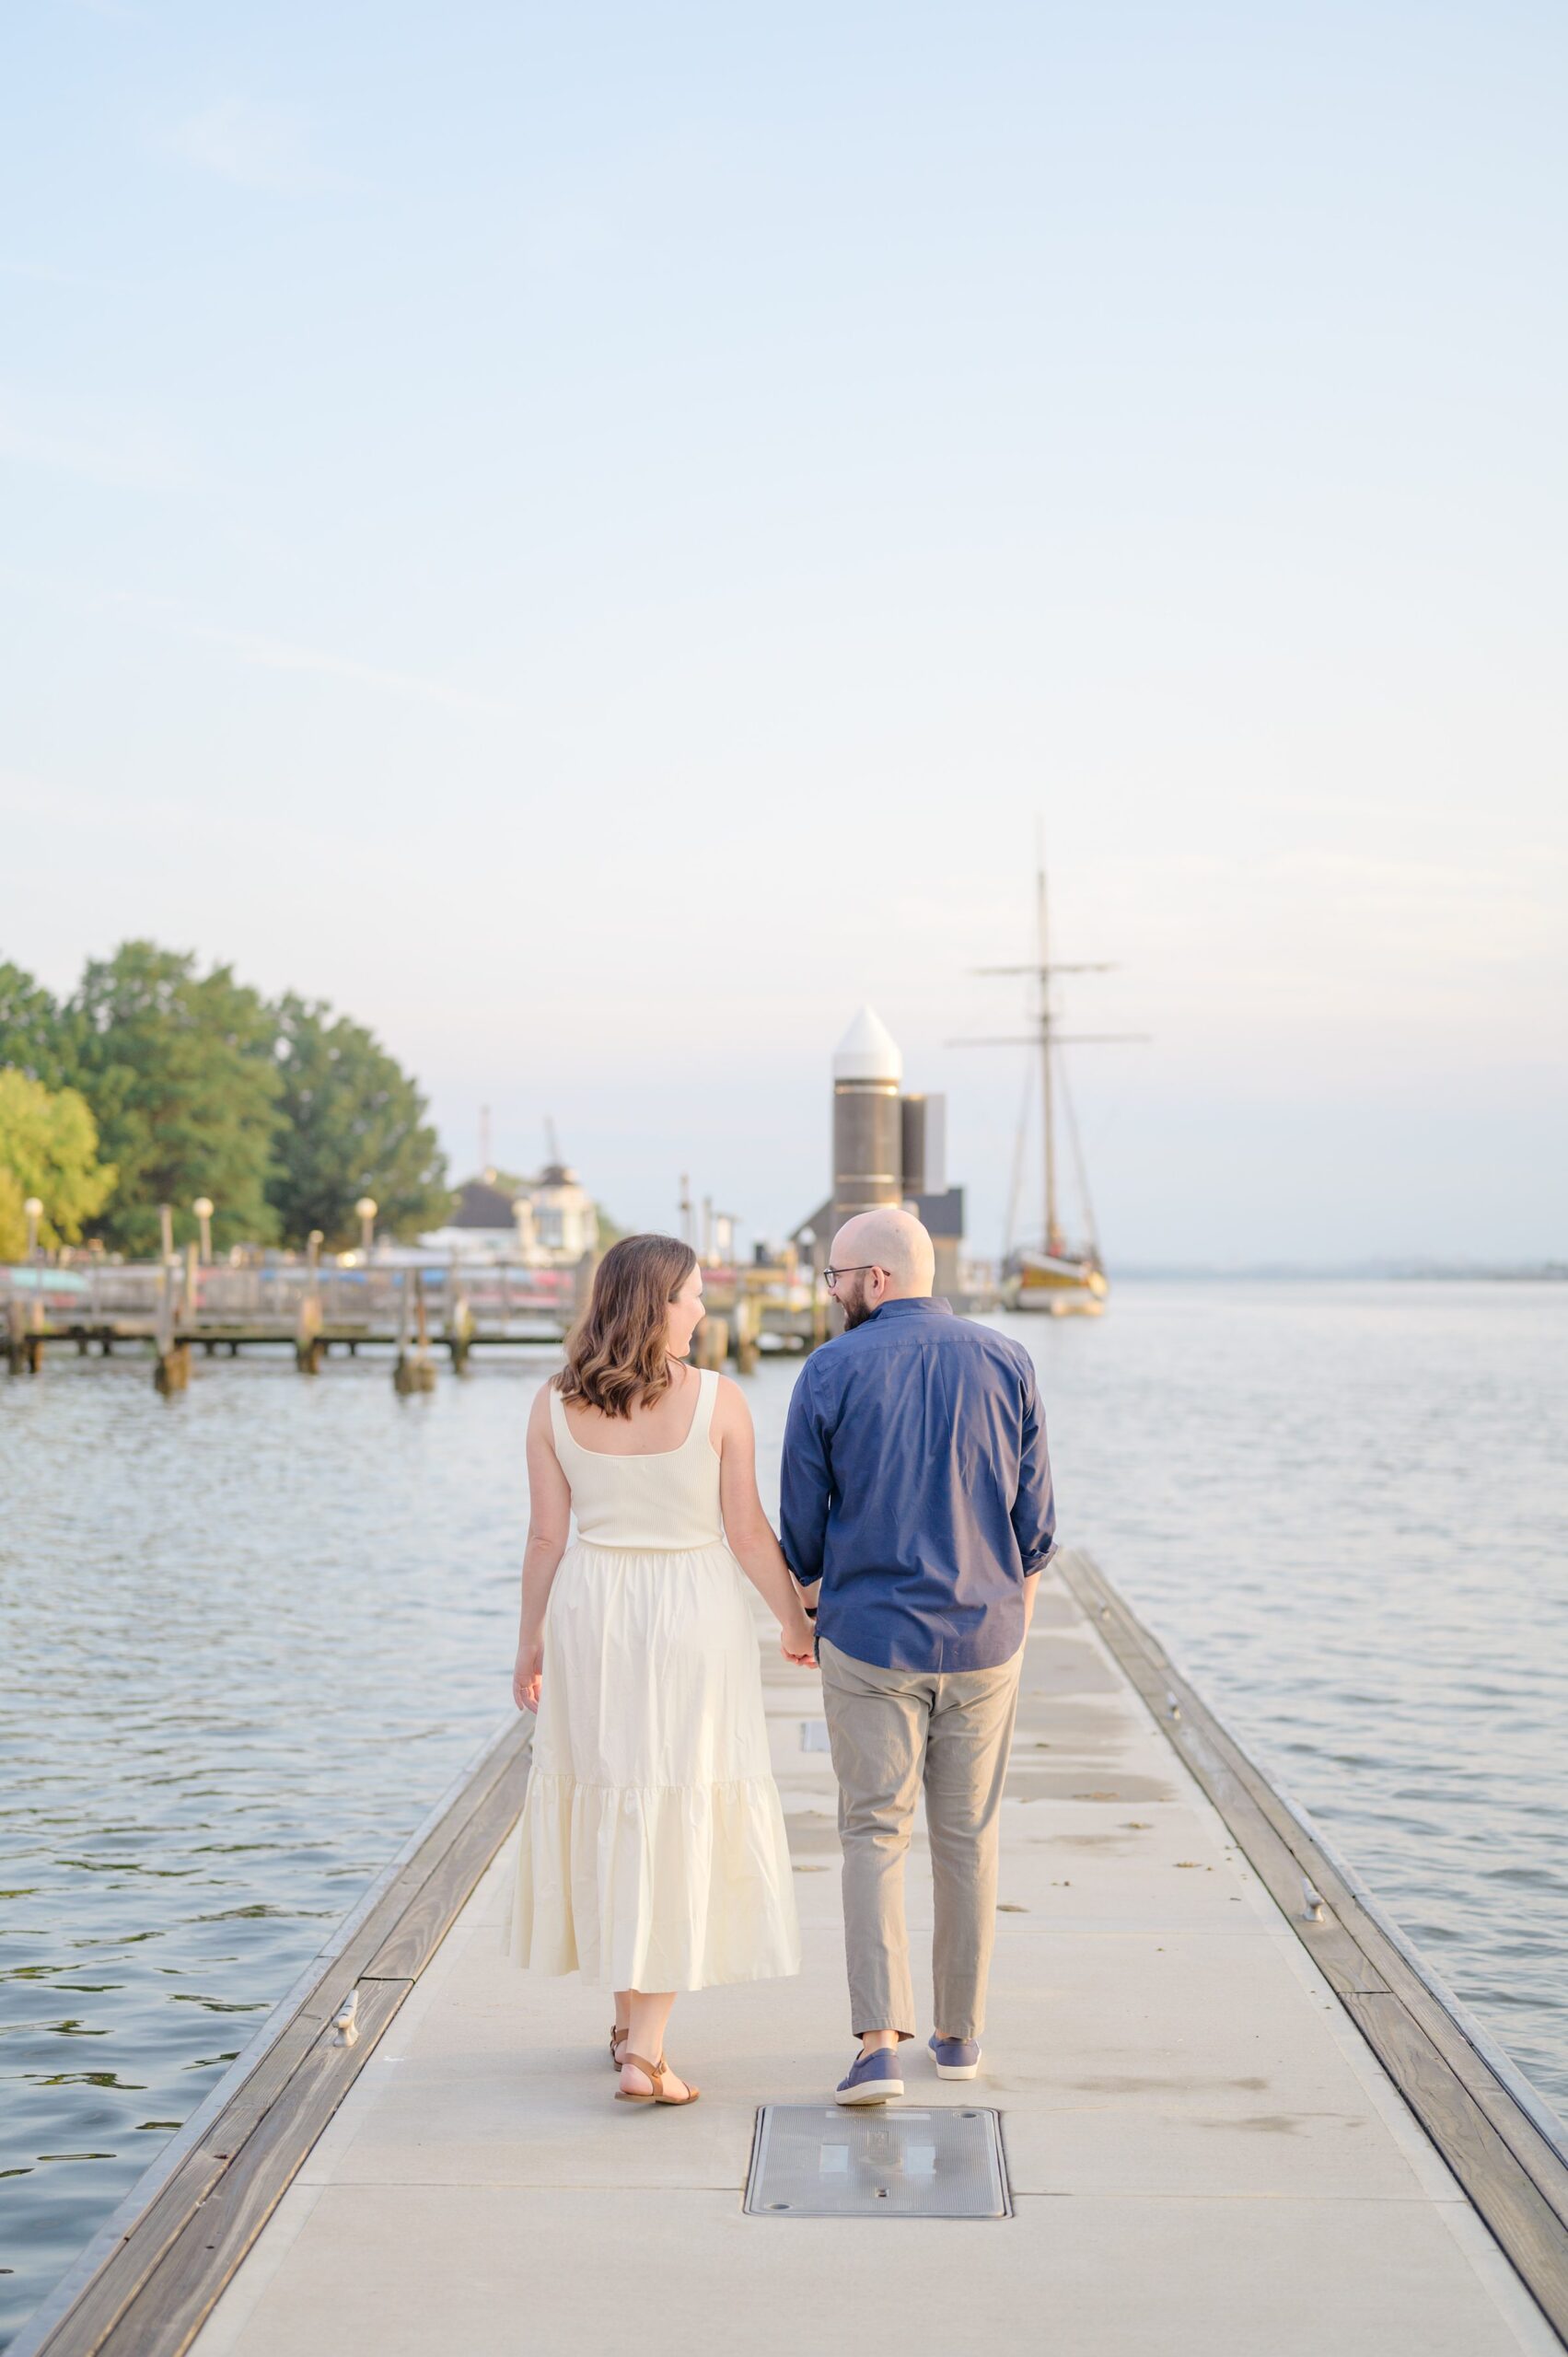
[893,1732]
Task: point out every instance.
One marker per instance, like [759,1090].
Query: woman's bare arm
[549,1524]
[747,1528]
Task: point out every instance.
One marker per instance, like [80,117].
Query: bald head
[891,1240]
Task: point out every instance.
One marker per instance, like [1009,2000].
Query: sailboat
[1062,1276]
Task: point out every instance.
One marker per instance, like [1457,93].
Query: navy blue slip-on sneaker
[873,2078]
[956,2057]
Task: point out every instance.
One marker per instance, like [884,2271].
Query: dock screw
[346,2024]
[1173,1708]
[1312,1902]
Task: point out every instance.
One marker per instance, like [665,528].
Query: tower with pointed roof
[869,1154]
[888,1148]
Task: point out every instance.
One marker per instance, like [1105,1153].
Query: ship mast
[1055,1241]
[1046,1040]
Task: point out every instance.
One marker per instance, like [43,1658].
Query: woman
[651,1853]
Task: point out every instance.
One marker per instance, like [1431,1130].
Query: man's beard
[854,1307]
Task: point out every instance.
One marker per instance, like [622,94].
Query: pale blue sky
[587,536]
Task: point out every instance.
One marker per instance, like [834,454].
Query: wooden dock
[1239,2115]
[179,1308]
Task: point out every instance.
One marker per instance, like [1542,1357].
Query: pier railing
[457,1305]
[132,1296]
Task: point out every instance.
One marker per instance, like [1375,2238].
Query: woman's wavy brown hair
[616,1355]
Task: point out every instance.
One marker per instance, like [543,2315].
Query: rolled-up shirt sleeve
[804,1485]
[1034,1508]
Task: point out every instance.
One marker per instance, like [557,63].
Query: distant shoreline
[1365,1272]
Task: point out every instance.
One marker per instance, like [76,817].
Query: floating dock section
[1226,2111]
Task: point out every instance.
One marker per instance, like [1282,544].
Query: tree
[352,1124]
[180,1071]
[29,1027]
[48,1148]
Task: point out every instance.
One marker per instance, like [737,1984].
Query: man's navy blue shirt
[916,1487]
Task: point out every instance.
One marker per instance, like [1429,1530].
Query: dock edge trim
[156,2267]
[1494,2130]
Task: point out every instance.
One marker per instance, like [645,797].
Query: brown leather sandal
[654,2073]
[616,2035]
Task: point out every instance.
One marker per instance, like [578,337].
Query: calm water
[249,1636]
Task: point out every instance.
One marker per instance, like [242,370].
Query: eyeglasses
[861,1269]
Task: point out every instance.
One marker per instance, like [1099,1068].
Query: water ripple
[250,1635]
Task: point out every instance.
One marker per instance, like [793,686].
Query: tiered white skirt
[652,1852]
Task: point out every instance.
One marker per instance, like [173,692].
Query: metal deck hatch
[823,2161]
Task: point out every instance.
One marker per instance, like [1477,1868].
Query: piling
[309,1350]
[459,1321]
[23,1351]
[712,1346]
[747,1327]
[414,1370]
[308,1347]
[171,1372]
[24,1336]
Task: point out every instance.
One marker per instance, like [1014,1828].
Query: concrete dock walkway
[1205,2155]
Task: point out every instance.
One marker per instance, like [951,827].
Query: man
[916,1488]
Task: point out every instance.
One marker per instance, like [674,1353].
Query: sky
[591,539]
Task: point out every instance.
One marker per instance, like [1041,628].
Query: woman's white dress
[652,1852]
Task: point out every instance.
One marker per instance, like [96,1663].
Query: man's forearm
[803,1532]
[1032,1589]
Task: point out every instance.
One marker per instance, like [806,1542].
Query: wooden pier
[181,1308]
[1240,2116]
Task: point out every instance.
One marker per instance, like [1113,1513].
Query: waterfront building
[544,1222]
[561,1215]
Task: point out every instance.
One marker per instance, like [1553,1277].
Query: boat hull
[1056,1285]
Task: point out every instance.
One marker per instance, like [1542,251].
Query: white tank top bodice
[665,1502]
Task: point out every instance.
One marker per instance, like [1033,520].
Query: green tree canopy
[179,1068]
[48,1148]
[30,1029]
[352,1124]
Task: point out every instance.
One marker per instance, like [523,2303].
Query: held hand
[797,1641]
[526,1676]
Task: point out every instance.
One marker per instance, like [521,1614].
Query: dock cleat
[873,2078]
[956,2057]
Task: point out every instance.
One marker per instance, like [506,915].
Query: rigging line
[1083,1176]
[1020,1135]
